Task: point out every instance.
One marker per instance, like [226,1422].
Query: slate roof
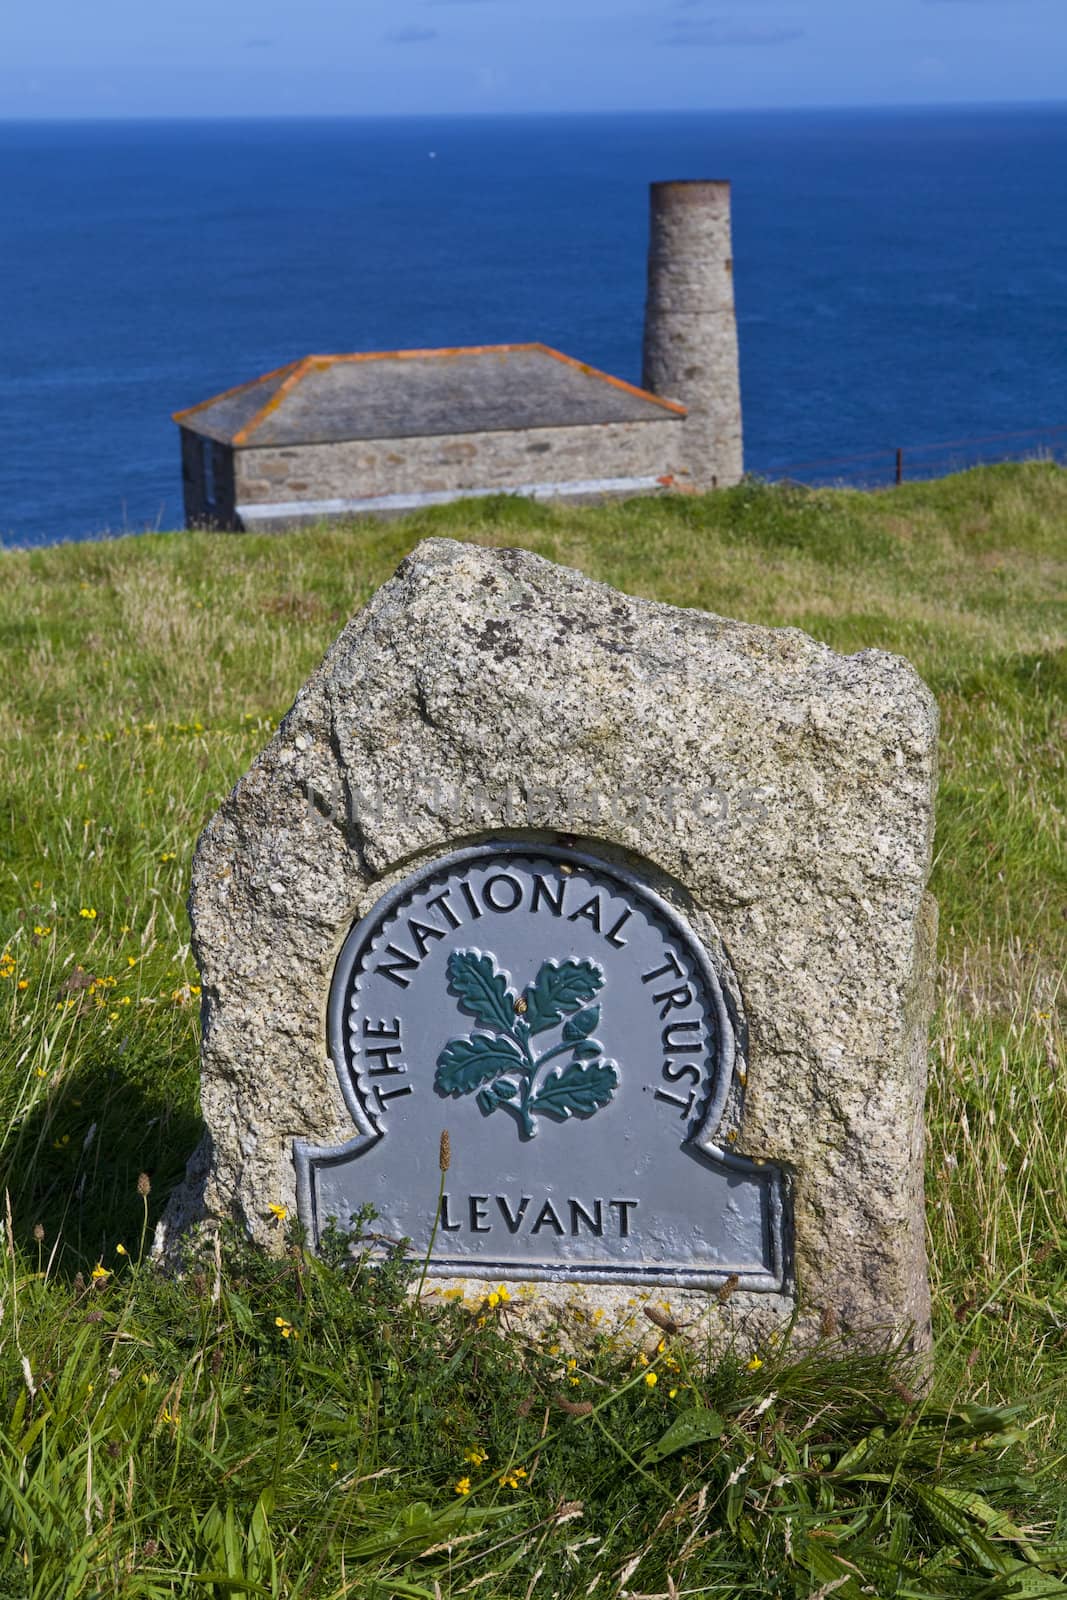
[408,393]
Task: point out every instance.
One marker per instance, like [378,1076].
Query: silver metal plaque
[567,1028]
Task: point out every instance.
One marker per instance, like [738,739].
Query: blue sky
[251,57]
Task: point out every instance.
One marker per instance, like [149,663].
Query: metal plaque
[567,1028]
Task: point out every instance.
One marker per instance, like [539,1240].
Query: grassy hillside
[140,677]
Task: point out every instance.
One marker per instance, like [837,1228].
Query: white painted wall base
[287,510]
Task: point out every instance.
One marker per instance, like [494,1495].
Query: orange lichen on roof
[226,394]
[606,377]
[300,370]
[295,371]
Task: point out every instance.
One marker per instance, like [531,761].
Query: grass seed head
[661,1320]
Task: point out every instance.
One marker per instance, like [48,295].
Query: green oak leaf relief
[578,1090]
[558,988]
[481,989]
[465,1064]
[500,1064]
[581,1025]
[502,1089]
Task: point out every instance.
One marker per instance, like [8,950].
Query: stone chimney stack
[690,331]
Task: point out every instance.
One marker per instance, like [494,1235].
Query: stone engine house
[386,432]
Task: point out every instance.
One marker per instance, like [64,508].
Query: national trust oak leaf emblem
[500,1063]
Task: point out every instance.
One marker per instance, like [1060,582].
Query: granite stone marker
[631,901]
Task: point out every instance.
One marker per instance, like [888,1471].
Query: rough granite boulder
[778,795]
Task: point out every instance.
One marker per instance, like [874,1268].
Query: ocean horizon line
[843,108]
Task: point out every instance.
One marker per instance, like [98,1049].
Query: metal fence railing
[879,468]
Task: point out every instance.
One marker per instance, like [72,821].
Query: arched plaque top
[501,915]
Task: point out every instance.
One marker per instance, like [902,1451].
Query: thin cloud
[719,32]
[410,35]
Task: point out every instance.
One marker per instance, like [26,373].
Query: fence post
[900,466]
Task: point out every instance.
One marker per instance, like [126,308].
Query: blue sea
[901,277]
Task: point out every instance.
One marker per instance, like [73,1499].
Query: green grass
[140,677]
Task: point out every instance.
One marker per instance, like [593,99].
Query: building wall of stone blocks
[207,482]
[356,468]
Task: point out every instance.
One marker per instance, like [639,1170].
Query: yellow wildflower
[23,983]
[131,961]
[501,1290]
[463,1486]
[754,1365]
[100,1272]
[671,1393]
[88,912]
[333,1466]
[168,855]
[279,1213]
[41,930]
[652,1378]
[513,1479]
[493,1301]
[121,1250]
[476,1457]
[82,766]
[7,964]
[286,1328]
